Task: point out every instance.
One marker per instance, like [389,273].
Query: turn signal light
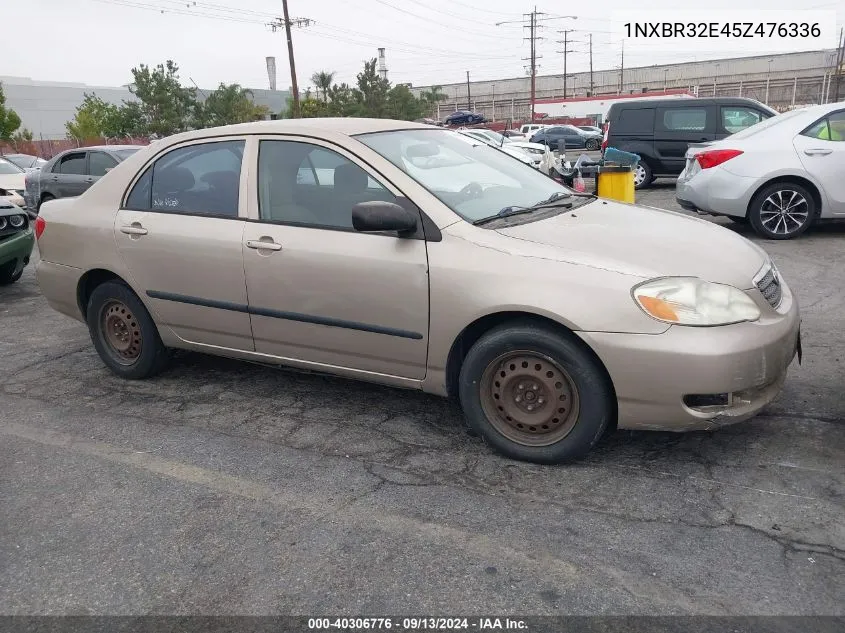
[658,308]
[715,157]
[40,225]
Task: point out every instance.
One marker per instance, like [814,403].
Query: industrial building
[781,81]
[45,106]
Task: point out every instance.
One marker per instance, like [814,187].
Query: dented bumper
[692,378]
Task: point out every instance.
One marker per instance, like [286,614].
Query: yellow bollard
[616,183]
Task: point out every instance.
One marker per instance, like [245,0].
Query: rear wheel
[534,394]
[45,198]
[782,211]
[642,175]
[123,333]
[592,144]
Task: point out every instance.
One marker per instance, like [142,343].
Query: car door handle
[817,152]
[55,179]
[89,180]
[263,246]
[133,229]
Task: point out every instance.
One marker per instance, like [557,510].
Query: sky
[97,42]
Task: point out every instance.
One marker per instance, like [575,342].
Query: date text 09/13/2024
[417,624]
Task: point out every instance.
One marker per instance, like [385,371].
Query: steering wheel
[472,190]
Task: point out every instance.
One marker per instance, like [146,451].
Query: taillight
[715,157]
[40,225]
[606,134]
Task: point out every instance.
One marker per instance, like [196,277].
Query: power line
[440,24]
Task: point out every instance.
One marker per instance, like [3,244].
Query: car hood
[643,242]
[528,145]
[12,181]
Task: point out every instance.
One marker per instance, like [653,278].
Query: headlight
[3,223]
[17,221]
[691,301]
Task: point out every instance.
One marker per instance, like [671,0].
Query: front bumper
[17,248]
[653,375]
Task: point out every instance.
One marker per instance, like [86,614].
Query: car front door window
[73,164]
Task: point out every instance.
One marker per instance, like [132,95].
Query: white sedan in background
[780,175]
[12,182]
[541,156]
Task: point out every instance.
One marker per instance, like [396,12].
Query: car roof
[683,102]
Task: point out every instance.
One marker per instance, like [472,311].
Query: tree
[402,104]
[167,106]
[93,119]
[22,136]
[227,105]
[9,119]
[432,97]
[323,80]
[373,91]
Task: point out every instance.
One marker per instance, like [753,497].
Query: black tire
[45,198]
[643,175]
[767,219]
[145,355]
[592,144]
[584,416]
[8,275]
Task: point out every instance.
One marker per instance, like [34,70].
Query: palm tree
[323,81]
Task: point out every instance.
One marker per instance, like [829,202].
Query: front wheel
[534,394]
[8,274]
[782,211]
[123,332]
[592,144]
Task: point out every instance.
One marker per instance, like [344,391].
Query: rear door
[180,234]
[69,177]
[675,127]
[632,130]
[821,148]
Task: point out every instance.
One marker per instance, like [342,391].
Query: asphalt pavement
[223,487]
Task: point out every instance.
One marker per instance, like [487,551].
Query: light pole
[665,79]
[768,77]
[715,76]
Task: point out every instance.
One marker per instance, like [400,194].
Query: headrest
[350,178]
[173,179]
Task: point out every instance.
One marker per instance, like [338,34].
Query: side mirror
[382,216]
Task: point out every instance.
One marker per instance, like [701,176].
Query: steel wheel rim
[121,332]
[639,175]
[529,406]
[785,211]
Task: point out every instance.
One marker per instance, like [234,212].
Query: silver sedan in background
[780,175]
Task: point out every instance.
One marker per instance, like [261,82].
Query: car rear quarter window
[830,128]
[736,118]
[202,179]
[634,121]
[684,119]
[72,164]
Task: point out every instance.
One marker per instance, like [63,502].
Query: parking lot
[231,488]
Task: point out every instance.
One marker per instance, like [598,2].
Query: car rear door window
[199,179]
[99,163]
[737,118]
[304,184]
[634,121]
[685,119]
[73,164]
[831,128]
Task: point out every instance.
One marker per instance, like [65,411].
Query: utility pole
[591,64]
[566,50]
[469,99]
[840,57]
[622,71]
[533,38]
[287,23]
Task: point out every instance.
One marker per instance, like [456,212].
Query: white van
[529,128]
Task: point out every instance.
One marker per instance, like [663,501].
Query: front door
[319,291]
[180,234]
[675,127]
[821,148]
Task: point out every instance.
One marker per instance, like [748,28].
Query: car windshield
[21,160]
[470,177]
[125,153]
[7,168]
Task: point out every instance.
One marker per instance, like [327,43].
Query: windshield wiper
[557,199]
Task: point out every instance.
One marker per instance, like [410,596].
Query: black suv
[661,130]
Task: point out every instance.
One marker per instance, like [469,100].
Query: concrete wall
[45,106]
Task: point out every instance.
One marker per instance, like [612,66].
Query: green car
[16,242]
